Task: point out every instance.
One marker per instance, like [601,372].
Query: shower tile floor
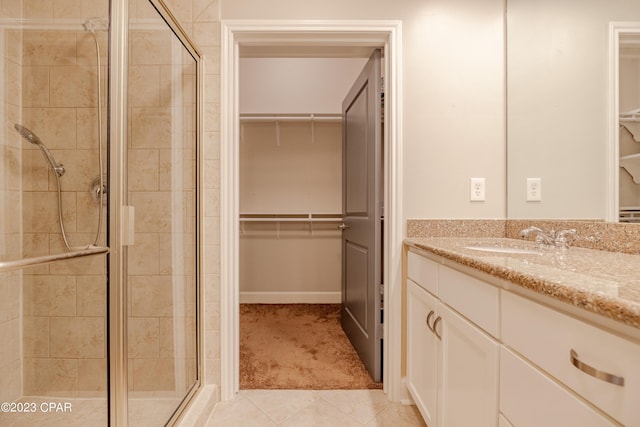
[150,412]
[50,412]
[313,408]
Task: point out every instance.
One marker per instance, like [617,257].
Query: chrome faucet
[541,236]
[550,239]
[561,237]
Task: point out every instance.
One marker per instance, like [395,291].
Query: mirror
[559,126]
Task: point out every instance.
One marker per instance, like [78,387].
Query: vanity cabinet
[451,362]
[574,353]
[479,354]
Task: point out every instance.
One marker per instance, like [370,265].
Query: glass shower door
[161,177]
[53,267]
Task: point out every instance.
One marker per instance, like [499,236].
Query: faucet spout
[541,236]
[551,238]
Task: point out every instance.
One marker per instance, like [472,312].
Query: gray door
[361,213]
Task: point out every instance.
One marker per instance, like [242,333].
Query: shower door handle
[343,226]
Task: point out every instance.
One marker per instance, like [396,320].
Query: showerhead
[33,138]
[27,134]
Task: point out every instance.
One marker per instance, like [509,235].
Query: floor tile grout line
[279,423]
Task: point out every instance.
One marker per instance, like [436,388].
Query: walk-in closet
[629,96]
[291,161]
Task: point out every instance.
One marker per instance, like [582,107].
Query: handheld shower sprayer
[53,165]
[33,138]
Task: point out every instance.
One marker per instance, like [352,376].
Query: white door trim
[312,33]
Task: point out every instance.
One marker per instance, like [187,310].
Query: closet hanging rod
[291,117]
[290,219]
[302,217]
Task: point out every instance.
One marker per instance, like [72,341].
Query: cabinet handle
[604,376]
[431,313]
[435,324]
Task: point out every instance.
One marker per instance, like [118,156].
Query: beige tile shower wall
[10,197]
[64,329]
[290,167]
[60,105]
[161,171]
[63,304]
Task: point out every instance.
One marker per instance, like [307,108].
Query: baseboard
[290,297]
[405,395]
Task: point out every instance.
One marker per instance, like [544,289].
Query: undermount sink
[504,250]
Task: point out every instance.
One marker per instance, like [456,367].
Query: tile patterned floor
[308,408]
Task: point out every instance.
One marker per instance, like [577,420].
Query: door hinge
[380,331]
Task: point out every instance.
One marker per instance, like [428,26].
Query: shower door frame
[117,232]
[386,34]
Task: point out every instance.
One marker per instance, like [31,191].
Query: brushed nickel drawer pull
[431,313]
[604,376]
[435,324]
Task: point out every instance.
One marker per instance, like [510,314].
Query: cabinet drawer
[528,398]
[476,300]
[423,271]
[546,337]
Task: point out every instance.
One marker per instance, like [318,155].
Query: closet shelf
[252,118]
[631,164]
[291,217]
[630,116]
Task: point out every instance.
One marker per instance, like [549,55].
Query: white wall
[558,97]
[453,94]
[296,85]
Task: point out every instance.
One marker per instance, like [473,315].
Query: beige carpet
[297,346]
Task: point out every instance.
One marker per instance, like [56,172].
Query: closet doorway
[310,194]
[280,240]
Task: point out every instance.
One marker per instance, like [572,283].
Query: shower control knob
[343,226]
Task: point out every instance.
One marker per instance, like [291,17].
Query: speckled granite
[606,236]
[456,227]
[603,282]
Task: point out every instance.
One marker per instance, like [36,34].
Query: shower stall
[99,191]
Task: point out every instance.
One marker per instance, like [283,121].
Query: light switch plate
[477,190]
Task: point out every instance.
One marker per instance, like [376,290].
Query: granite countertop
[602,282]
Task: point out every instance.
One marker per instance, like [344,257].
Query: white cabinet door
[547,338]
[470,365]
[422,351]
